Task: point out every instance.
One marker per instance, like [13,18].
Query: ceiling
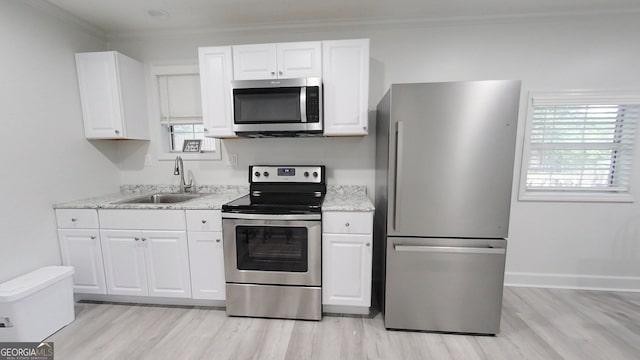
[127,16]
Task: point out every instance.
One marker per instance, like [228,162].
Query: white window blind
[180,99]
[581,143]
[181,111]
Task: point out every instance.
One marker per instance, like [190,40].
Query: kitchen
[552,244]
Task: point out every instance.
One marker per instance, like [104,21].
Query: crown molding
[369,24]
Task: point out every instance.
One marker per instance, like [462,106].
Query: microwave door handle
[303,104]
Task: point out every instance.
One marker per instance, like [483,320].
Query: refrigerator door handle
[448,249]
[398,174]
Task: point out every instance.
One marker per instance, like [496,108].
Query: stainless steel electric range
[273,244]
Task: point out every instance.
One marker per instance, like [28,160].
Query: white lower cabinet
[207,265]
[124,265]
[346,264]
[167,262]
[347,258]
[81,249]
[145,252]
[79,239]
[206,258]
[146,263]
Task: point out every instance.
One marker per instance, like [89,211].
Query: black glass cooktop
[277,203]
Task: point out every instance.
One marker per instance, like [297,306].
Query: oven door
[272,249]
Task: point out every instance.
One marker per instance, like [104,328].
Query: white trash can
[35,305]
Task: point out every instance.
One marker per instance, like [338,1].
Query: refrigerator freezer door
[451,153]
[452,285]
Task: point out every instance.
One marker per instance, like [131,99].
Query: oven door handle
[271,217]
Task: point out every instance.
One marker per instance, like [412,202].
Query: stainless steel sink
[161,198]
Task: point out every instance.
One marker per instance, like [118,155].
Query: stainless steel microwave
[286,107]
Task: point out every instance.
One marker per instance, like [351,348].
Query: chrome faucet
[179,170]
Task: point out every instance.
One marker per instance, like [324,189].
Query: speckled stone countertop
[346,198]
[338,198]
[213,197]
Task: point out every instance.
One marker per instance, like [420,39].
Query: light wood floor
[536,324]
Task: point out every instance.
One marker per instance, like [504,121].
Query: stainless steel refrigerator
[444,168]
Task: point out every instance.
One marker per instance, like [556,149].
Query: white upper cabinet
[215,85]
[345,78]
[343,66]
[299,60]
[112,94]
[277,61]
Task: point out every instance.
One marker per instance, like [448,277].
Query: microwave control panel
[313,104]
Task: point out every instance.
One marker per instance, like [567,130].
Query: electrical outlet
[233,159]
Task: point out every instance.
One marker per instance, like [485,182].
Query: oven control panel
[284,174]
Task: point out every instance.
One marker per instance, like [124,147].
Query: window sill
[567,196]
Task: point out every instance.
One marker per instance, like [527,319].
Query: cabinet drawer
[135,219]
[341,222]
[204,220]
[77,218]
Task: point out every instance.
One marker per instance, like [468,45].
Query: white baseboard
[148,300]
[573,281]
[221,304]
[345,309]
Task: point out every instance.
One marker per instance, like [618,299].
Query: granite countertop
[347,198]
[338,198]
[212,199]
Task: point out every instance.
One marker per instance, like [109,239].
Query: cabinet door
[167,263]
[254,62]
[81,249]
[215,87]
[125,271]
[345,78]
[299,60]
[100,95]
[346,269]
[207,265]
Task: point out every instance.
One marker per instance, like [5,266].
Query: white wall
[46,158]
[551,244]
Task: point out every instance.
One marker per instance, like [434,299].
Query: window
[180,113]
[579,147]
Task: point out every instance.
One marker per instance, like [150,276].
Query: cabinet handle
[217,240]
[136,238]
[367,244]
[206,130]
[144,239]
[92,237]
[204,221]
[117,131]
[346,224]
[74,219]
[280,72]
[273,73]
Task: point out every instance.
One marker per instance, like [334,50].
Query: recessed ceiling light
[158,13]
